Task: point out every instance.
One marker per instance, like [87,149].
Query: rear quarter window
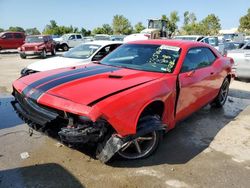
[198,58]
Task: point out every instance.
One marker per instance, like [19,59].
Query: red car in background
[37,45]
[126,101]
[11,40]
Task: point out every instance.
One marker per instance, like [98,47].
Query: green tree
[138,27]
[172,22]
[53,29]
[121,25]
[107,29]
[17,29]
[190,26]
[32,31]
[210,25]
[1,30]
[85,32]
[98,30]
[245,23]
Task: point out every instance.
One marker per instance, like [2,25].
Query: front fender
[123,110]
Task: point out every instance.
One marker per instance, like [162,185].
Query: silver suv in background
[69,41]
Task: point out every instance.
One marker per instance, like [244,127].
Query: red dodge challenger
[125,102]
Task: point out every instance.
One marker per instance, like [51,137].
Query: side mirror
[3,37]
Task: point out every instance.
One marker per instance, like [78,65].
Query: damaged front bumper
[70,128]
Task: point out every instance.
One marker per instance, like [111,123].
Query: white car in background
[212,40]
[81,54]
[241,59]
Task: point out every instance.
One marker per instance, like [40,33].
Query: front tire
[143,146]
[222,96]
[53,51]
[43,54]
[23,56]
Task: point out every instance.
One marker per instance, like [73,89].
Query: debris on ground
[58,145]
[230,100]
[24,155]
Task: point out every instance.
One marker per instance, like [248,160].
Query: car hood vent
[115,76]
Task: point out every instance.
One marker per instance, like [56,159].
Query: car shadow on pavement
[188,139]
[239,93]
[8,117]
[41,175]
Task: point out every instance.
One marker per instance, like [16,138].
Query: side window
[8,36]
[101,54]
[18,36]
[197,58]
[45,39]
[78,36]
[210,55]
[72,37]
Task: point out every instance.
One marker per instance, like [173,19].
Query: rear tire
[23,56]
[65,47]
[220,100]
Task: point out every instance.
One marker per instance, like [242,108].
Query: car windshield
[82,51]
[32,39]
[146,57]
[65,36]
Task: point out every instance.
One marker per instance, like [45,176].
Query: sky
[93,13]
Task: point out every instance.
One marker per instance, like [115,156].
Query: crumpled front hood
[88,85]
[55,63]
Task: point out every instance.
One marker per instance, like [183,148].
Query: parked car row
[82,54]
[95,102]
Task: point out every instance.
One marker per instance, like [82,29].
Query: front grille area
[31,112]
[29,48]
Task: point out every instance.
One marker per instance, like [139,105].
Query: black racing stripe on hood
[114,93]
[54,76]
[50,85]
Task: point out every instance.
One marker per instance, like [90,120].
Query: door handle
[190,73]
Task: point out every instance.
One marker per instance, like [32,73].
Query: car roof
[171,42]
[104,42]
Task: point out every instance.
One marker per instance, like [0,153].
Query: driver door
[197,82]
